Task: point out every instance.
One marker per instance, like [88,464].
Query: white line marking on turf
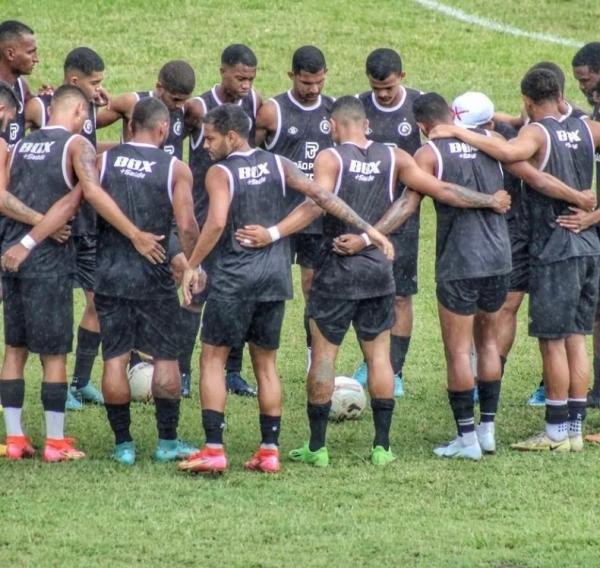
[494,25]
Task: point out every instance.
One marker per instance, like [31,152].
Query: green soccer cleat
[173,450]
[318,458]
[381,456]
[124,453]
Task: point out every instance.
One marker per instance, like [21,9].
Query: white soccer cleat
[456,450]
[487,439]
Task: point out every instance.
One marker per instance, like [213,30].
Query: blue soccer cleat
[124,453]
[361,374]
[538,397]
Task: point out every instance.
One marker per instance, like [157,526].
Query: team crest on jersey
[325,126]
[369,131]
[404,128]
[293,130]
[310,150]
[178,127]
[169,149]
[88,127]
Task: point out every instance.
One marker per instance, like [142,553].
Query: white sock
[12,420]
[55,425]
[557,432]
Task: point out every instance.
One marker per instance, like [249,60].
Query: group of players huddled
[334,185]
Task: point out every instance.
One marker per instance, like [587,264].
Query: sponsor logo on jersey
[13,131]
[35,150]
[465,151]
[132,167]
[177,127]
[88,127]
[292,130]
[254,175]
[169,149]
[365,170]
[405,128]
[325,126]
[570,137]
[310,150]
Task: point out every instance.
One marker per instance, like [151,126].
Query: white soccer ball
[348,400]
[140,381]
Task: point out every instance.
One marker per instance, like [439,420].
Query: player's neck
[242,147]
[298,100]
[145,138]
[357,138]
[58,119]
[546,109]
[7,74]
[225,96]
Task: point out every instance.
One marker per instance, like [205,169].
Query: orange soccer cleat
[19,447]
[207,460]
[265,460]
[61,450]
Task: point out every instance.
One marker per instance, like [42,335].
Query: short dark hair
[238,53]
[147,112]
[67,91]
[8,97]
[430,108]
[382,62]
[350,108]
[228,117]
[588,55]
[84,60]
[308,58]
[12,29]
[177,76]
[550,66]
[540,85]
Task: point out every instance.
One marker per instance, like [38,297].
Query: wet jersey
[470,243]
[199,160]
[301,133]
[570,158]
[396,126]
[139,177]
[365,182]
[15,130]
[596,116]
[257,189]
[38,177]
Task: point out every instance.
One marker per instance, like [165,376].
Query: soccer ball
[140,381]
[348,400]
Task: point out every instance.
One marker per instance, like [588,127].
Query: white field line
[494,25]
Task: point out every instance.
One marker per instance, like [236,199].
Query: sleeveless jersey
[139,178]
[596,116]
[15,130]
[199,160]
[302,132]
[38,178]
[471,243]
[174,143]
[365,182]
[257,189]
[395,126]
[570,158]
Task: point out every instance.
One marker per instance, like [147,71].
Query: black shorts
[85,251]
[149,325]
[333,317]
[38,314]
[519,277]
[406,254]
[305,249]
[232,322]
[464,297]
[563,297]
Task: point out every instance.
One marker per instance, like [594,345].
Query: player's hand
[381,242]
[443,131]
[148,245]
[587,200]
[348,244]
[14,257]
[253,236]
[62,235]
[178,265]
[501,202]
[101,98]
[579,221]
[45,89]
[193,282]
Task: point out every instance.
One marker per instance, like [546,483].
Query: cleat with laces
[265,460]
[72,402]
[361,374]
[381,456]
[542,442]
[398,386]
[207,460]
[538,397]
[186,385]
[457,450]
[487,438]
[19,447]
[236,384]
[124,453]
[318,458]
[61,450]
[89,393]
[172,450]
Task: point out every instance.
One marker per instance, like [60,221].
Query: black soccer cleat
[237,385]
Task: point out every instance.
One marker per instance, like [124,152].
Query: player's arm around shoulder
[119,107]
[183,206]
[266,122]
[193,113]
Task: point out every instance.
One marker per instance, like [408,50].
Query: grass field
[510,510]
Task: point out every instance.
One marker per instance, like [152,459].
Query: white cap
[472,109]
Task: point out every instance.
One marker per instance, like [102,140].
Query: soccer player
[246,300]
[564,264]
[389,110]
[82,67]
[295,124]
[238,71]
[38,312]
[18,57]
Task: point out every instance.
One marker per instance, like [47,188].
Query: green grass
[507,511]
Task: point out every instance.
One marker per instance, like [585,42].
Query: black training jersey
[395,126]
[365,182]
[257,189]
[39,178]
[174,143]
[85,220]
[301,133]
[570,158]
[139,178]
[15,130]
[199,160]
[596,116]
[471,243]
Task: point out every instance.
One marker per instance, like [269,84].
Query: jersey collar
[389,109]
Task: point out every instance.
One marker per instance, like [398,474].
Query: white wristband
[274,232]
[28,242]
[366,238]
